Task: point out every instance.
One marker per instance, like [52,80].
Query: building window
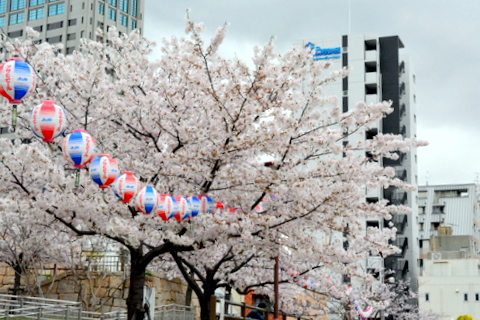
[465,297]
[123,20]
[72,22]
[70,50]
[15,34]
[124,5]
[35,14]
[112,14]
[56,39]
[134,9]
[133,24]
[55,25]
[477,297]
[16,18]
[17,5]
[101,8]
[2,21]
[3,6]
[427,297]
[53,0]
[112,2]
[36,2]
[56,9]
[71,36]
[38,29]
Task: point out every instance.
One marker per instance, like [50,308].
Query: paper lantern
[126,186]
[167,208]
[194,205]
[17,80]
[184,210]
[79,148]
[206,204]
[147,200]
[104,170]
[48,120]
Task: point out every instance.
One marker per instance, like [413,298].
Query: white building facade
[450,287]
[380,72]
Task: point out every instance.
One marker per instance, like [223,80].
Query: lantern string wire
[77,178]
[14,117]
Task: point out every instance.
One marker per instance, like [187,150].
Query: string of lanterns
[48,122]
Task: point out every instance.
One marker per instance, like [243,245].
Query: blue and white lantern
[147,200]
[79,148]
[194,205]
[17,80]
[104,170]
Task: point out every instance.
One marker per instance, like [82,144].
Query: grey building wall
[67,21]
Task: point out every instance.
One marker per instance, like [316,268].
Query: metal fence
[167,312]
[174,312]
[38,308]
[19,307]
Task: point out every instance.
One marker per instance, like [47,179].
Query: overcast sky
[442,38]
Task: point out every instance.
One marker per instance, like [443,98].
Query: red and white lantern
[48,120]
[184,208]
[126,186]
[167,207]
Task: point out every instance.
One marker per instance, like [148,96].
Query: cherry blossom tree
[26,246]
[193,122]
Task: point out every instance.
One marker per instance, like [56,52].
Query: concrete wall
[450,287]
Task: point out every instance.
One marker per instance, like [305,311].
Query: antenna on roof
[427,177]
[349,17]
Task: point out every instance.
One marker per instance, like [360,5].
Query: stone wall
[98,291]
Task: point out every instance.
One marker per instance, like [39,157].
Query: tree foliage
[193,122]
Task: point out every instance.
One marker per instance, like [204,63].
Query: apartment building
[381,71]
[68,21]
[451,206]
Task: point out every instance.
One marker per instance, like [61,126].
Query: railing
[116,315]
[174,312]
[19,307]
[97,261]
[38,308]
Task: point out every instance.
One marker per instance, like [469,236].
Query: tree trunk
[205,307]
[17,281]
[136,310]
